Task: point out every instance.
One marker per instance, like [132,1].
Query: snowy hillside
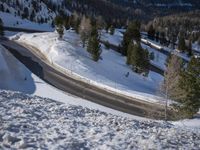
[38,123]
[70,55]
[26,14]
[34,10]
[12,74]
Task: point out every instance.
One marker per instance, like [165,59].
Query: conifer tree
[189,48]
[129,53]
[190,85]
[59,26]
[94,47]
[67,22]
[181,43]
[112,30]
[132,33]
[151,32]
[139,59]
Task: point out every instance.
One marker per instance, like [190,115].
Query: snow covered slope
[110,72]
[12,74]
[38,123]
[34,10]
[31,14]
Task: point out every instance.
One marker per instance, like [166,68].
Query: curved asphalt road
[39,65]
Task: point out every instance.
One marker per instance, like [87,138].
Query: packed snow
[37,123]
[110,72]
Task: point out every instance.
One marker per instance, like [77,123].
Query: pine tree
[189,48]
[181,43]
[190,85]
[112,30]
[151,32]
[132,33]
[67,22]
[139,59]
[94,47]
[1,28]
[2,7]
[32,15]
[59,26]
[26,13]
[146,62]
[129,53]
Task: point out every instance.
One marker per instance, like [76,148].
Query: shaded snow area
[110,72]
[13,76]
[38,123]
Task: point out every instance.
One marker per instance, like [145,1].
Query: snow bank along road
[39,65]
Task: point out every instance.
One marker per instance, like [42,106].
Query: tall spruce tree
[139,58]
[189,49]
[112,30]
[94,47]
[129,53]
[132,33]
[151,32]
[59,26]
[181,43]
[190,85]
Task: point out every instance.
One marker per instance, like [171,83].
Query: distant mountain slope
[159,3]
[34,10]
[43,11]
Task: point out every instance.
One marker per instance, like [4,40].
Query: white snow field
[110,72]
[29,122]
[114,39]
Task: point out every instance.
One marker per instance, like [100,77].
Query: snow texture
[36,123]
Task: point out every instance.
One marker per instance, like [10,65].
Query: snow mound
[38,123]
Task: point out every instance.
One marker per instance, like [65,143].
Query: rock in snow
[39,123]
